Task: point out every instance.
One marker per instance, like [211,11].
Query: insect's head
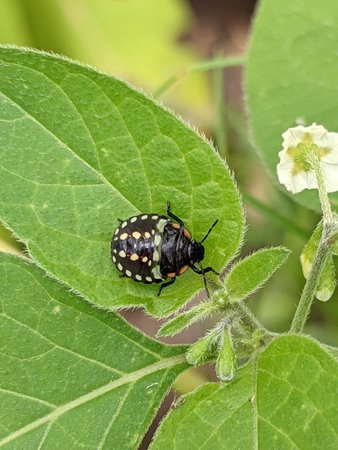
[196,252]
[197,248]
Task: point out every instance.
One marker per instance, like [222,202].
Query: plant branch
[306,299]
[247,316]
[204,66]
[326,243]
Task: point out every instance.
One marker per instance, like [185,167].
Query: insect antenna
[204,280]
[209,231]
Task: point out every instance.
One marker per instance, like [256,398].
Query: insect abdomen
[136,248]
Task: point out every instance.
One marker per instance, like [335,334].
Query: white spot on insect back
[138,277]
[123,236]
[158,239]
[161,224]
[149,263]
[124,224]
[147,235]
[134,257]
[154,217]
[156,273]
[119,266]
[128,273]
[136,235]
[133,219]
[114,259]
[144,217]
[117,230]
[122,254]
[115,251]
[144,259]
[149,279]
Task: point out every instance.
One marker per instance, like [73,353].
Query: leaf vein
[63,145]
[28,397]
[57,346]
[128,378]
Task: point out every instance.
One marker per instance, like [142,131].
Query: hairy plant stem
[327,240]
[306,299]
[247,316]
[323,197]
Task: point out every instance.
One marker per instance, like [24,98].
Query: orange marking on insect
[183,269]
[175,225]
[186,233]
[171,275]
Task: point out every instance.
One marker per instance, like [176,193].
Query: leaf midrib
[129,378]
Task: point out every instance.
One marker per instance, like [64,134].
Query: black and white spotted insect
[152,248]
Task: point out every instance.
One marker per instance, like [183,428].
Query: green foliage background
[65,112]
[104,34]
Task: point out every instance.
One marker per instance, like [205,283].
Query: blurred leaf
[252,272]
[79,150]
[13,27]
[71,375]
[286,400]
[291,75]
[48,26]
[135,39]
[142,43]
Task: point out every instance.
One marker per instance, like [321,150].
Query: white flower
[300,144]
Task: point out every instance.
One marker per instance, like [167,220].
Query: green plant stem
[247,316]
[308,294]
[326,243]
[204,66]
[220,119]
[323,197]
[220,62]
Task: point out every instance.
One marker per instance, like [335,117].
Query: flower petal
[330,175]
[295,170]
[332,146]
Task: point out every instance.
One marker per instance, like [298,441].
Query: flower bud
[226,365]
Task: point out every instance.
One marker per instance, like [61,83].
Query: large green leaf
[78,150]
[287,400]
[292,74]
[72,376]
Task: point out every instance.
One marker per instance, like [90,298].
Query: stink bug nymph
[153,248]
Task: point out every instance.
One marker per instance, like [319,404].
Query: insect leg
[165,285]
[173,216]
[206,270]
[210,269]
